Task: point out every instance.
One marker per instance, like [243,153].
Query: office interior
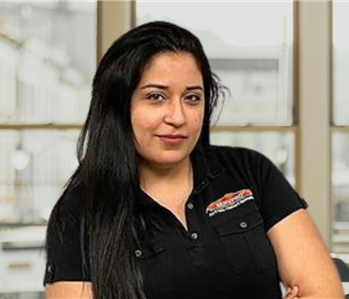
[285,63]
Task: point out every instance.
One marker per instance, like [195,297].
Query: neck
[152,176]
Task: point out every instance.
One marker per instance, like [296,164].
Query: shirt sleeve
[64,261]
[277,197]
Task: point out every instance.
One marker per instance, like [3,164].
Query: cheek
[136,122]
[198,121]
[142,124]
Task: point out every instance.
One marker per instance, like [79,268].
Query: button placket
[191,219]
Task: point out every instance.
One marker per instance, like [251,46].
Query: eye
[193,98]
[155,96]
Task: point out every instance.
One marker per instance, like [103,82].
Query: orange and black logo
[229,201]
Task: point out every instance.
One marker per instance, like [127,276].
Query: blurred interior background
[286,65]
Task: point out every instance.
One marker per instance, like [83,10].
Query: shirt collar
[205,168]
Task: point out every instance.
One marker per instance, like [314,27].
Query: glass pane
[29,295]
[340,192]
[278,147]
[47,60]
[249,45]
[341,62]
[34,166]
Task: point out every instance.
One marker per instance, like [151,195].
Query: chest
[203,253]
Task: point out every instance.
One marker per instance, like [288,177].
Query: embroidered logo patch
[229,201]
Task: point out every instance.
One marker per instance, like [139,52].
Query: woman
[154,211]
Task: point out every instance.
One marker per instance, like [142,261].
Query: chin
[170,160]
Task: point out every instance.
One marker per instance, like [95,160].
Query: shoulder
[67,212]
[71,202]
[216,151]
[243,163]
[236,157]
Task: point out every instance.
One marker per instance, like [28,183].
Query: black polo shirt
[225,253]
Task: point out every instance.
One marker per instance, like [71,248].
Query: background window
[340,130]
[341,62]
[47,61]
[249,46]
[340,189]
[35,164]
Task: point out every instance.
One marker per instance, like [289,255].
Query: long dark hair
[107,172]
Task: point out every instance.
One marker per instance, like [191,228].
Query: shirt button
[203,182]
[194,236]
[138,253]
[243,224]
[190,206]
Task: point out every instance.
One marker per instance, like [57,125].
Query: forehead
[169,65]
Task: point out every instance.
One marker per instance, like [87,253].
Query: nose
[175,114]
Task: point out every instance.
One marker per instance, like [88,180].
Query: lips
[172,139]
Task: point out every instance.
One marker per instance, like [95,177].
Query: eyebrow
[161,86]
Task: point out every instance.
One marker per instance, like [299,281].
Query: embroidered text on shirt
[229,201]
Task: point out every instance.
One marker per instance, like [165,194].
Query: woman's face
[167,109]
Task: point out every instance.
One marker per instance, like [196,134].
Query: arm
[303,259]
[68,290]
